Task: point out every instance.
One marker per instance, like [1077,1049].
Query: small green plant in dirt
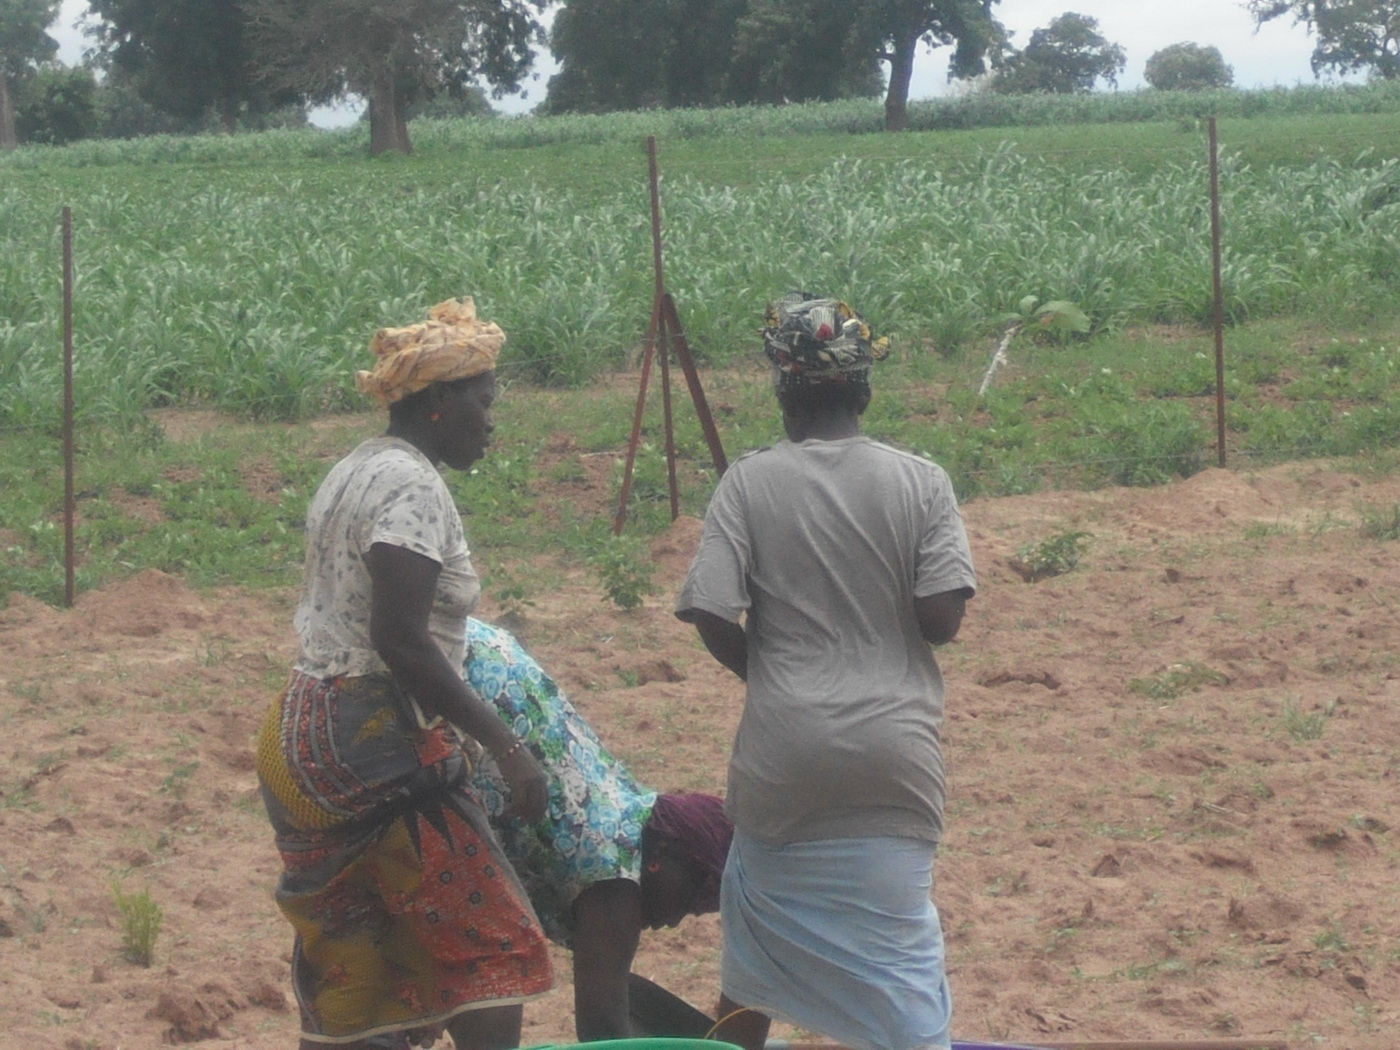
[37,916]
[1054,556]
[1177,680]
[1225,1023]
[178,781]
[1304,725]
[1363,1016]
[1148,970]
[141,920]
[1057,319]
[1007,885]
[1332,939]
[626,573]
[214,652]
[1367,824]
[1381,523]
[513,595]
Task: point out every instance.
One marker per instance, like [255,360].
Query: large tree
[184,57]
[898,27]
[800,51]
[58,105]
[1352,35]
[1187,67]
[640,54]
[1067,56]
[628,54]
[394,52]
[24,45]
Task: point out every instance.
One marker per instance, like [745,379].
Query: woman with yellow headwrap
[408,918]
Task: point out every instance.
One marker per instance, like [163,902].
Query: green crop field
[246,275]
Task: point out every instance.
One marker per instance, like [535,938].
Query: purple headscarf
[696,824]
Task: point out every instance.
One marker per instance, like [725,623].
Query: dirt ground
[1173,778]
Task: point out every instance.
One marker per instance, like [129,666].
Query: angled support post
[664,336]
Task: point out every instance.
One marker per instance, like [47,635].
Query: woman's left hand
[529,785]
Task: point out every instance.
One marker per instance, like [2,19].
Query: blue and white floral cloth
[593,830]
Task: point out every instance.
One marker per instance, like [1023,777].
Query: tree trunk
[388,122]
[8,139]
[901,60]
[228,115]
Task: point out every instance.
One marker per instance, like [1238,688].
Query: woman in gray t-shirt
[828,564]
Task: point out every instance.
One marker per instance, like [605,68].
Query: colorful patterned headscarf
[452,344]
[697,826]
[812,340]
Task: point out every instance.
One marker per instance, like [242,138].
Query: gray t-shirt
[825,545]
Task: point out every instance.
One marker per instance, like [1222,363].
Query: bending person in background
[828,564]
[408,917]
[610,858]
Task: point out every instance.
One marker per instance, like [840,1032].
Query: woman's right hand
[529,785]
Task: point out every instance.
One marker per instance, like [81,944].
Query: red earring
[653,867]
[435,416]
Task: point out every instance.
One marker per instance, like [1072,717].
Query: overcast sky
[1277,54]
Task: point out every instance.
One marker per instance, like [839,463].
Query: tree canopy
[630,54]
[24,45]
[184,57]
[57,105]
[1352,35]
[902,25]
[1069,55]
[394,52]
[636,54]
[1188,67]
[641,54]
[802,50]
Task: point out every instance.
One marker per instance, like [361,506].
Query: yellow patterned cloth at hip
[405,909]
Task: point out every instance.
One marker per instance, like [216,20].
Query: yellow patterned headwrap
[451,344]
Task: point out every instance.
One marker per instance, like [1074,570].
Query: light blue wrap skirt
[839,937]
